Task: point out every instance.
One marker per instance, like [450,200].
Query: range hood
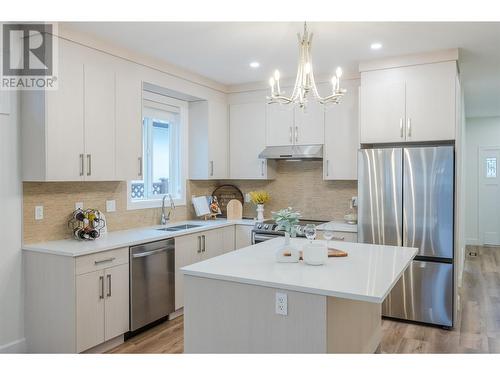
[295,152]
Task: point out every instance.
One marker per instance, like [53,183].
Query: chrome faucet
[166,217]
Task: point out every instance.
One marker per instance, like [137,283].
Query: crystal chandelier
[304,83]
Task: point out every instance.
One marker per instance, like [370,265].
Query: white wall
[480,131]
[11,276]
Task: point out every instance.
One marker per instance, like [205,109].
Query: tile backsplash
[297,184]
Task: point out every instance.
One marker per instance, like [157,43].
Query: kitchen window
[164,153]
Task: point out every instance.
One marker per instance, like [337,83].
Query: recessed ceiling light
[376,46]
[254,64]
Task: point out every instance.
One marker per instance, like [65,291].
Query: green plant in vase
[287,220]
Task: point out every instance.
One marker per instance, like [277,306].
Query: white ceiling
[222,51]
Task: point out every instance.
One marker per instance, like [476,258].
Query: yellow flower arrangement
[259,197]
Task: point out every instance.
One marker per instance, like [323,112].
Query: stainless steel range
[267,230]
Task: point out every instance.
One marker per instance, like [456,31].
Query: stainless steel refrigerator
[406,198]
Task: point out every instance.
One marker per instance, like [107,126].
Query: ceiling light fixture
[254,64]
[376,45]
[304,83]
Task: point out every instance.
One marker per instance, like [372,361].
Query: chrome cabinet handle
[81,165]
[204,243]
[199,245]
[147,253]
[109,285]
[89,164]
[327,168]
[296,134]
[140,166]
[96,262]
[101,280]
[211,168]
[408,127]
[290,134]
[262,168]
[401,129]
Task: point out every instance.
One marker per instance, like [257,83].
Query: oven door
[261,237]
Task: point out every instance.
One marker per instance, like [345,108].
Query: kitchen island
[246,302]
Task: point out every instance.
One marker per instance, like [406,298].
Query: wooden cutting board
[234,210]
[332,253]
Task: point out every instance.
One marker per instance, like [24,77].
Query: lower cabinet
[243,236]
[194,248]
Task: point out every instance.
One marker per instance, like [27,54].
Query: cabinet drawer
[99,261]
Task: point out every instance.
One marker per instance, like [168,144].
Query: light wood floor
[477,329]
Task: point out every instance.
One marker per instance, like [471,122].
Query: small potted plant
[259,198]
[287,220]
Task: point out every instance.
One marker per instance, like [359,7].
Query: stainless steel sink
[180,227]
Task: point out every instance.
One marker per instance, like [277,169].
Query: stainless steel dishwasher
[152,282]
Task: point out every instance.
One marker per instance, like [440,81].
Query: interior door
[309,124]
[380,196]
[428,200]
[99,119]
[279,125]
[382,112]
[489,195]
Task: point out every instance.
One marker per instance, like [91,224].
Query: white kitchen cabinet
[243,236]
[99,116]
[309,124]
[68,134]
[193,248]
[128,122]
[208,140]
[75,303]
[279,124]
[342,136]
[408,104]
[247,131]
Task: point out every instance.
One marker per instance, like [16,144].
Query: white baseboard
[18,346]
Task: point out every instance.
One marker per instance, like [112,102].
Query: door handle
[109,285]
[401,129]
[296,134]
[199,244]
[204,243]
[327,167]
[89,164]
[81,165]
[101,281]
[140,166]
[262,168]
[290,134]
[211,168]
[408,127]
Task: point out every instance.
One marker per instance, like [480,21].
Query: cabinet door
[382,112]
[218,130]
[309,124]
[213,243]
[128,122]
[116,317]
[187,251]
[64,127]
[342,137]
[228,239]
[99,118]
[243,236]
[430,102]
[90,296]
[247,131]
[279,125]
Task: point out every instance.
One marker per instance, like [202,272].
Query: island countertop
[367,274]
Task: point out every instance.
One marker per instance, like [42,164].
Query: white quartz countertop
[125,238]
[368,273]
[339,226]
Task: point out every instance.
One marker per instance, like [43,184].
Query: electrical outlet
[111,206]
[79,205]
[247,198]
[281,303]
[354,201]
[38,212]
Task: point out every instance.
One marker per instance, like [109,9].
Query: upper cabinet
[408,104]
[342,136]
[247,129]
[290,125]
[208,140]
[69,134]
